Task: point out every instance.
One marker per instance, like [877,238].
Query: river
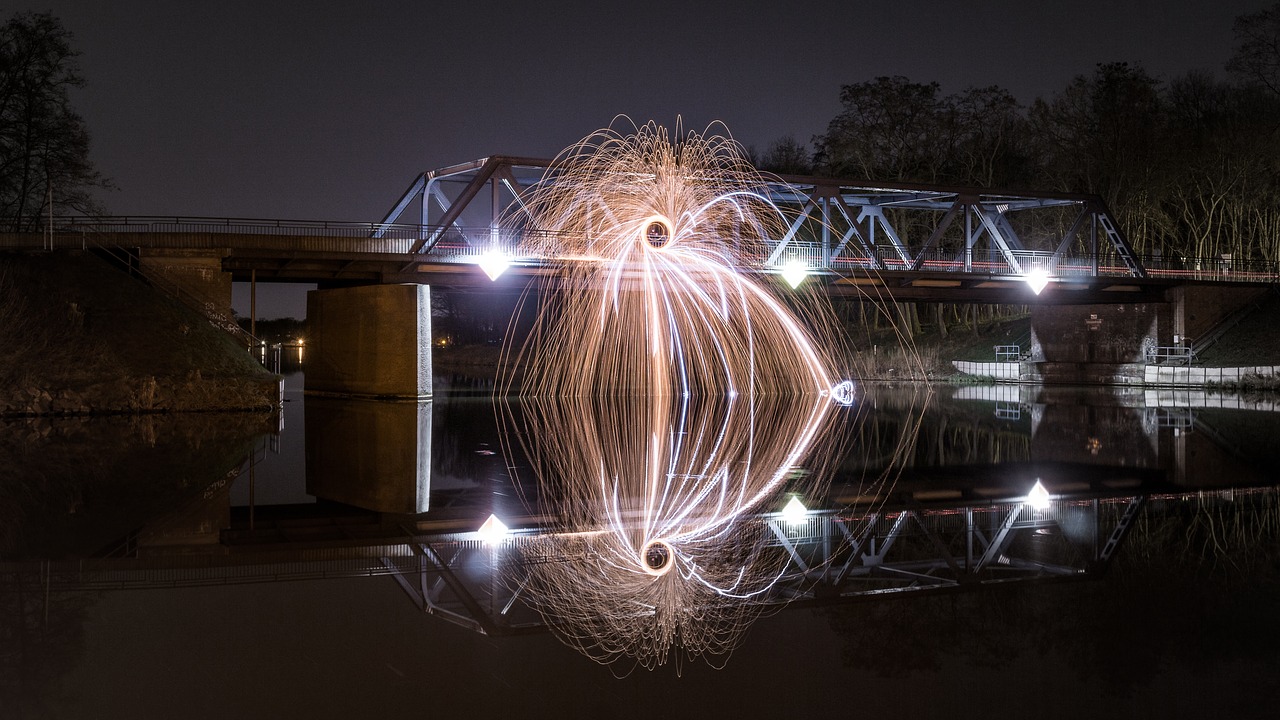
[326,564]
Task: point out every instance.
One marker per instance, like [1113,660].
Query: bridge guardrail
[459,244]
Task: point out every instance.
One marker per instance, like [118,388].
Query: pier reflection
[371,454]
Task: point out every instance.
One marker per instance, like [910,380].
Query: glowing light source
[494,263]
[795,513]
[668,397]
[1038,498]
[794,273]
[653,234]
[844,392]
[1037,280]
[493,531]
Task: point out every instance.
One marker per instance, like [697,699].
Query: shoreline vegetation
[81,338]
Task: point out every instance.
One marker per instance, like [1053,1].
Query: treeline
[1191,165]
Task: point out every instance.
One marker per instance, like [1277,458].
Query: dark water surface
[220,566]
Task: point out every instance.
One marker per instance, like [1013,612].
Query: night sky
[327,110]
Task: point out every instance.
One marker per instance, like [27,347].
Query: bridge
[891,240]
[863,240]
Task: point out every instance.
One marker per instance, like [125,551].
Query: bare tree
[44,145]
[1257,56]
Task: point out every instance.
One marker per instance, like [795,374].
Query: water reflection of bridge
[952,517]
[877,549]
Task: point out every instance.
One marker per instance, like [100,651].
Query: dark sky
[327,110]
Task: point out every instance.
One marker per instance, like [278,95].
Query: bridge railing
[460,244]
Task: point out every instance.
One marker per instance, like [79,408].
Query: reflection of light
[668,395]
[1038,498]
[795,513]
[843,392]
[794,273]
[493,263]
[493,531]
[1037,279]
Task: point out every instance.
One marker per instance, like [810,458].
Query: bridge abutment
[370,341]
[198,273]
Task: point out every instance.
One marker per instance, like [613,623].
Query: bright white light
[795,512]
[794,273]
[1038,498]
[843,392]
[493,531]
[1037,279]
[493,263]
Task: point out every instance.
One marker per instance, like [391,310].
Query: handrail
[462,244]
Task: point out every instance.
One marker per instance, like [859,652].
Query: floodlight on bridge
[493,531]
[794,512]
[1037,280]
[494,263]
[1039,497]
[794,272]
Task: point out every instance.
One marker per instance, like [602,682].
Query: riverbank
[82,338]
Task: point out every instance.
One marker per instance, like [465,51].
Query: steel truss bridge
[904,241]
[832,555]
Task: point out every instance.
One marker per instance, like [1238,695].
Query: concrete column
[370,341]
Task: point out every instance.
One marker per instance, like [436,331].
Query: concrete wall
[198,272]
[1097,333]
[370,341]
[1198,308]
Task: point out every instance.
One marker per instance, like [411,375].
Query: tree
[1102,135]
[1257,56]
[893,129]
[786,156]
[44,145]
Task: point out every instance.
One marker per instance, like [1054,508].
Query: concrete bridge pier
[371,341]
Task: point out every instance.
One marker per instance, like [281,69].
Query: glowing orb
[658,557]
[659,287]
[669,393]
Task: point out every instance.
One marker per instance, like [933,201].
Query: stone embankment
[142,395]
[80,337]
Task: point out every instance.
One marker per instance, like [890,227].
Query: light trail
[667,396]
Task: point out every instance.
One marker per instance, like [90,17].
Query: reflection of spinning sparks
[654,236]
[659,552]
[675,395]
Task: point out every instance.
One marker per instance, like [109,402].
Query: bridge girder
[838,226]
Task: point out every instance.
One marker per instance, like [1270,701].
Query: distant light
[1037,279]
[795,512]
[493,264]
[794,273]
[493,531]
[301,342]
[1038,498]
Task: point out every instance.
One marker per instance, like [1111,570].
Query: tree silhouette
[44,145]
